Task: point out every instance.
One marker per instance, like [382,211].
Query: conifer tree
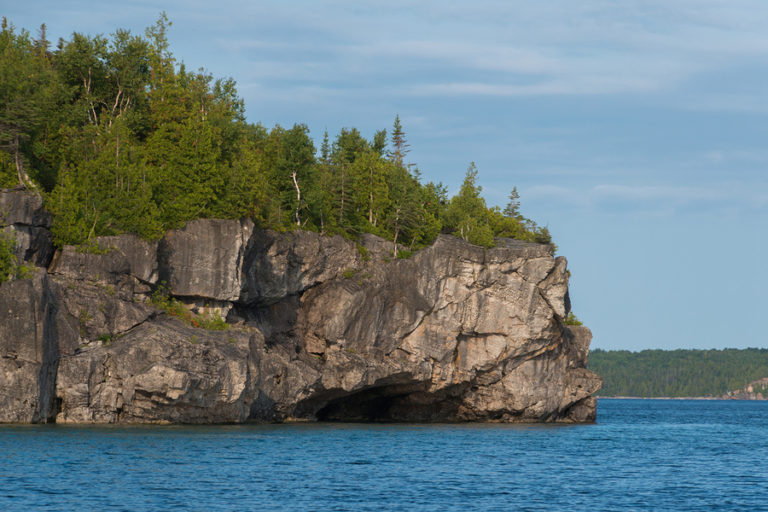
[399,143]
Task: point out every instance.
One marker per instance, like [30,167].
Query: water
[641,455]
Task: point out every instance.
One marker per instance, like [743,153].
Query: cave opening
[385,404]
[370,406]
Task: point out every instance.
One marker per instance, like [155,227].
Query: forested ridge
[677,373]
[118,136]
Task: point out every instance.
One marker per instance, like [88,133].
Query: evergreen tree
[379,141]
[399,143]
[24,77]
[467,214]
[123,138]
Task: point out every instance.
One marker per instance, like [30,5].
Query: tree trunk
[298,198]
[370,197]
[341,210]
[19,165]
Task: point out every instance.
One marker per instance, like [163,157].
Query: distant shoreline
[679,398]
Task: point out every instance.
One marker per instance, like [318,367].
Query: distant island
[729,373]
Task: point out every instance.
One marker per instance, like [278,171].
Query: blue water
[641,455]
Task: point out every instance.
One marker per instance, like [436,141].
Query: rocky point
[319,328]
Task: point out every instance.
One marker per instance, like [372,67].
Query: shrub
[364,253]
[571,319]
[7,257]
[162,299]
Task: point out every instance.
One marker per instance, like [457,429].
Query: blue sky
[635,130]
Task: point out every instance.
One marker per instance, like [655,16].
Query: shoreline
[679,398]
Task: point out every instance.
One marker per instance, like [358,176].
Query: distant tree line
[120,137]
[677,373]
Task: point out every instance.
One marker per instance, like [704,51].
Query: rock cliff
[320,328]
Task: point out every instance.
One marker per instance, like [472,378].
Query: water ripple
[642,455]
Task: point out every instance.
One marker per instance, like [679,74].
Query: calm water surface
[641,455]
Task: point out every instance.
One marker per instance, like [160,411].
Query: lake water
[641,455]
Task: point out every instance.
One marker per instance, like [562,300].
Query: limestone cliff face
[317,331]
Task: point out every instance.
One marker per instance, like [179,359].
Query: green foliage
[7,257]
[571,319]
[365,254]
[121,138]
[25,271]
[10,268]
[349,273]
[677,373]
[162,299]
[467,215]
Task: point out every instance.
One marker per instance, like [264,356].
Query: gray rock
[140,254]
[23,217]
[34,332]
[278,265]
[163,372]
[23,207]
[454,333]
[74,263]
[205,258]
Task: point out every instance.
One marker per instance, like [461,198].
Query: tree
[467,214]
[512,209]
[24,76]
[379,141]
[399,143]
[403,214]
[371,186]
[123,138]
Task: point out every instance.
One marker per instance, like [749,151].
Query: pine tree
[399,143]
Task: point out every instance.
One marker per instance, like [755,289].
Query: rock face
[34,333]
[321,328]
[22,214]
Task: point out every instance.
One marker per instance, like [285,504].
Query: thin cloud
[617,197]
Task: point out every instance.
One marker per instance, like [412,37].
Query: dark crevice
[364,407]
[391,403]
[57,402]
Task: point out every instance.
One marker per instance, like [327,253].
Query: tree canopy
[120,137]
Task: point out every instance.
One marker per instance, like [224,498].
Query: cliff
[320,328]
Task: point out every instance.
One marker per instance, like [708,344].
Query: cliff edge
[320,328]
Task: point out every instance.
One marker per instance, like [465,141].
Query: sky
[635,130]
